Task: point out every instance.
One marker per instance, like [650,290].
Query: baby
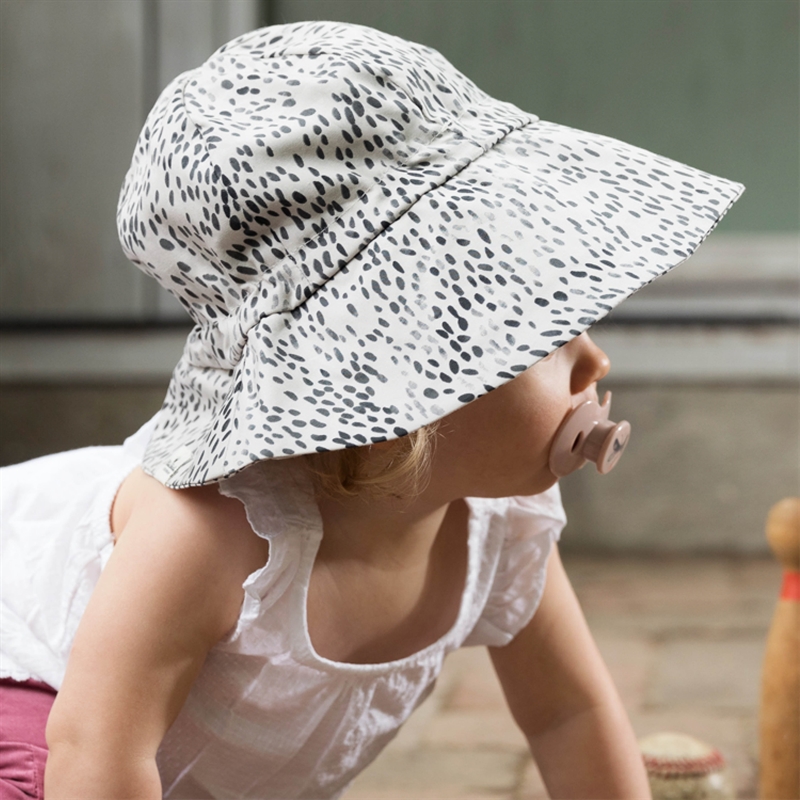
[355,470]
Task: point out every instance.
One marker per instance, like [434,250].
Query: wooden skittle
[780,687]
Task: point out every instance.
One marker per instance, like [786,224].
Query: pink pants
[24,708]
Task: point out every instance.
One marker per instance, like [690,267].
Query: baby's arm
[564,700]
[171,589]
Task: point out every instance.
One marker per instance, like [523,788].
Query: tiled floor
[683,639]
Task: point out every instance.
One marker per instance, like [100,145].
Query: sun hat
[366,241]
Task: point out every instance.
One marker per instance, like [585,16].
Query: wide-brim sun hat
[366,241]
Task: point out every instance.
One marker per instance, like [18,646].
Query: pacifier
[587,434]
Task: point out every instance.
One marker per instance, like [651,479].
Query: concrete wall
[70,108]
[42,418]
[704,465]
[78,78]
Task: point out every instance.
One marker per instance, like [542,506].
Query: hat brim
[521,251]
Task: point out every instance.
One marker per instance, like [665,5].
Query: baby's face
[500,444]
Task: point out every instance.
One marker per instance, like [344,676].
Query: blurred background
[706,362]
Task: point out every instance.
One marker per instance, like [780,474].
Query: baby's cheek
[545,417]
[530,441]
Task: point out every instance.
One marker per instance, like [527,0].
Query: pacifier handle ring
[587,434]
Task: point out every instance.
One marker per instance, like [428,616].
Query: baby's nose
[591,364]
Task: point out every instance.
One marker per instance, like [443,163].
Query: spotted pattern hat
[366,241]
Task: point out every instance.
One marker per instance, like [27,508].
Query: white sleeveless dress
[267,717]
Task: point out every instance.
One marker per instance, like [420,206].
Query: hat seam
[225,324]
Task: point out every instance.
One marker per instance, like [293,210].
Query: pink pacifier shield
[587,434]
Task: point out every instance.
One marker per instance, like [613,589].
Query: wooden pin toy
[780,681]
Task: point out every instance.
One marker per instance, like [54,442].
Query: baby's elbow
[81,763]
[69,750]
[62,730]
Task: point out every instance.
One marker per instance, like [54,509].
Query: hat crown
[262,172]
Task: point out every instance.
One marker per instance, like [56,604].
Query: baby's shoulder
[190,543]
[202,509]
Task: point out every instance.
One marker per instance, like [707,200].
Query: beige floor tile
[708,673]
[421,794]
[531,787]
[477,687]
[442,774]
[492,730]
[681,585]
[630,660]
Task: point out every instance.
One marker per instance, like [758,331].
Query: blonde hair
[400,468]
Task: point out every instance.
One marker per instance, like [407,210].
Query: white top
[267,717]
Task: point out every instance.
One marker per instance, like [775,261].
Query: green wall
[714,83]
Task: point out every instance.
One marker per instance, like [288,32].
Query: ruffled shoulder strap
[280,508]
[529,527]
[277,496]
